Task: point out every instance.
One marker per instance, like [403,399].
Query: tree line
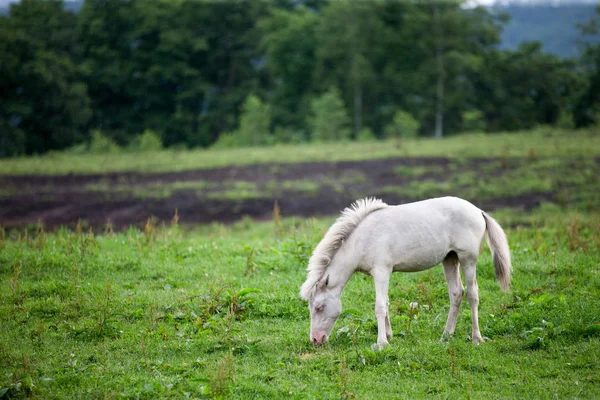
[231,72]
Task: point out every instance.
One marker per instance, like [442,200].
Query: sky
[471,3]
[565,2]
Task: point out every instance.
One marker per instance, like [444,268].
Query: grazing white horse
[378,239]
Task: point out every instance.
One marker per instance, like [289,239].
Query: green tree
[523,88]
[329,120]
[349,38]
[105,31]
[289,42]
[44,104]
[232,64]
[179,68]
[461,38]
[255,123]
[403,126]
[147,141]
[587,108]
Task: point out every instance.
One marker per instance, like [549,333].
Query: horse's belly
[415,267]
[419,260]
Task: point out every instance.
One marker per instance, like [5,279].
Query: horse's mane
[333,239]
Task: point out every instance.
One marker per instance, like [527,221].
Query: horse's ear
[324,282]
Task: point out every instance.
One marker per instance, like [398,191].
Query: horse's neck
[340,271]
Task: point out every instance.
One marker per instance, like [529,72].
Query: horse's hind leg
[455,291]
[469,269]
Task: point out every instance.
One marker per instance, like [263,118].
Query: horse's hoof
[478,339]
[445,337]
[379,346]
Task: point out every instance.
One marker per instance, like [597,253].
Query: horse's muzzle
[319,338]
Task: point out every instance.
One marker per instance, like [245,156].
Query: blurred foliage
[147,141]
[101,144]
[365,135]
[254,128]
[587,108]
[473,121]
[255,122]
[403,125]
[279,71]
[329,120]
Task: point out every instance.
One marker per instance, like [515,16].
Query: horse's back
[441,211]
[419,235]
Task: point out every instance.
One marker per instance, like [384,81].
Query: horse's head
[325,308]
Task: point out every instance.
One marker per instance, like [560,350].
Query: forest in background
[191,73]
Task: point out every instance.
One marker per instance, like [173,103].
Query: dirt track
[63,200]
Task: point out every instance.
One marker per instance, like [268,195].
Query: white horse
[378,239]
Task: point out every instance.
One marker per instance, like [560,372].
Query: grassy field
[543,142]
[215,313]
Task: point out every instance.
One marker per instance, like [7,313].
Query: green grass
[214,312]
[571,182]
[543,142]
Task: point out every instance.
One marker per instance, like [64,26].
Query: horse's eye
[319,308]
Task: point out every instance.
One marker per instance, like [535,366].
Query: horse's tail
[497,242]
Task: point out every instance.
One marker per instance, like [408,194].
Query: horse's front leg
[388,326]
[381,276]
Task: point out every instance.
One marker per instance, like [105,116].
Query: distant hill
[552,22]
[554,26]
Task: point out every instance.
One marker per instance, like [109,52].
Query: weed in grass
[14,280]
[250,265]
[298,249]
[175,219]
[40,240]
[37,333]
[21,382]
[108,228]
[238,301]
[223,376]
[452,354]
[150,230]
[77,286]
[343,379]
[276,217]
[574,239]
[222,300]
[424,292]
[145,355]
[105,314]
[351,330]
[80,245]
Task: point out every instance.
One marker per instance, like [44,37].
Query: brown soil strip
[63,200]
